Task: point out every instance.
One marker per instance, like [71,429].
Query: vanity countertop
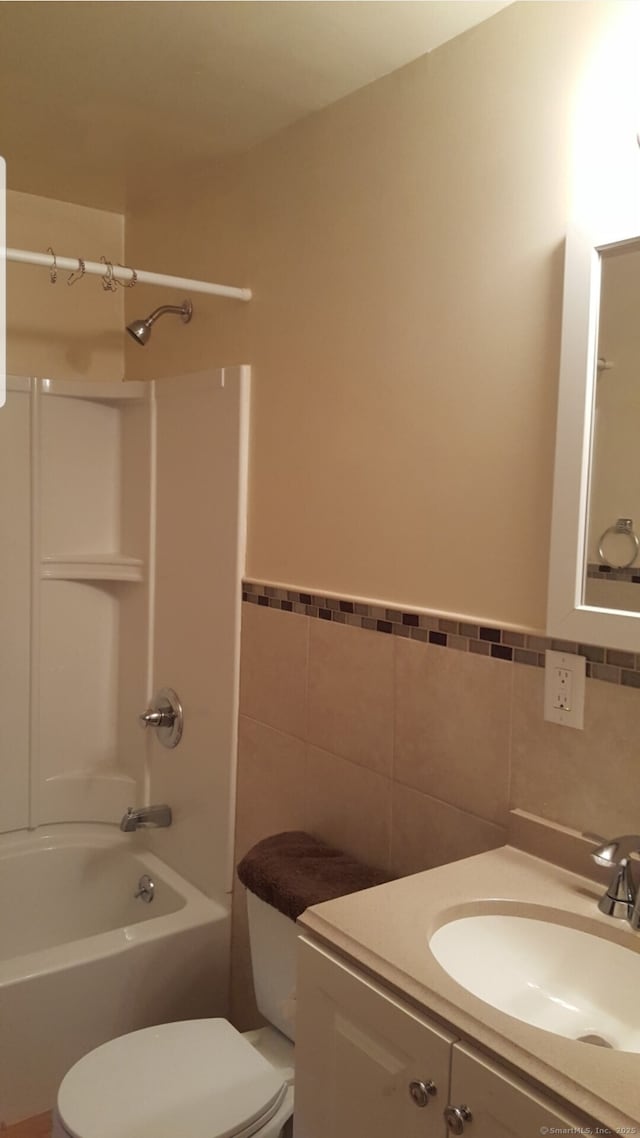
[386,931]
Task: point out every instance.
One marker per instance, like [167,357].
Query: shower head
[141,329]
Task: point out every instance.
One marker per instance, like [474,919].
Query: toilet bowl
[195,1078]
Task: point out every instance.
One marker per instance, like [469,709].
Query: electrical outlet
[564,677]
[562,680]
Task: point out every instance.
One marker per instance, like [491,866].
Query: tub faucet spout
[145,817]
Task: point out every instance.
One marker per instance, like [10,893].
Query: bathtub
[82,960]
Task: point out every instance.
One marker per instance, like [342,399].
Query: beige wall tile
[556,843]
[426,832]
[271,789]
[590,779]
[273,671]
[452,727]
[349,807]
[351,693]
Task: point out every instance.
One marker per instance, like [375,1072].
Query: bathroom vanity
[388,1043]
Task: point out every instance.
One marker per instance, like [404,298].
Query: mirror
[594,578]
[612,566]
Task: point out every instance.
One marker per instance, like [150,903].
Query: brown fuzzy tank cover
[293,870]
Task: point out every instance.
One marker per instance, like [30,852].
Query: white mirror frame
[3,282]
[568,617]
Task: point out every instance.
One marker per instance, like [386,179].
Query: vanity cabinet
[359,1054]
[501,1104]
[370,1066]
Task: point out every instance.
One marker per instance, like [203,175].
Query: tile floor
[37,1127]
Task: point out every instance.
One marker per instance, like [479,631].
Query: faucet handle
[616,851]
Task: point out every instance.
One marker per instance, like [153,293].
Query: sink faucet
[622,897]
[145,816]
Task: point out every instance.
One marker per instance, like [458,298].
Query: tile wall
[408,754]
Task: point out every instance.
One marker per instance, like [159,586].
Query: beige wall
[199,229]
[54,330]
[405,248]
[405,262]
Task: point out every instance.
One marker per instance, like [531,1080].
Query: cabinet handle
[456,1116]
[420,1091]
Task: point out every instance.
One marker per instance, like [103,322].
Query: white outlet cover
[574,716]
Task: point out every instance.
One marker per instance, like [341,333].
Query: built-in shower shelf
[92,567]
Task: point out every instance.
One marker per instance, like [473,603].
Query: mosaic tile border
[607,664]
[607,573]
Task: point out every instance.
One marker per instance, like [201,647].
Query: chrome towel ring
[624,526]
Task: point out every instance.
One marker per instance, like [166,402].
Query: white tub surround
[82,961]
[126,508]
[78,529]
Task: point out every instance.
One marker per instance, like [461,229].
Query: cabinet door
[501,1105]
[358,1050]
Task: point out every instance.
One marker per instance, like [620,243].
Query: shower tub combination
[82,960]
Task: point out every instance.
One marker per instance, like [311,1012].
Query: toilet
[196,1078]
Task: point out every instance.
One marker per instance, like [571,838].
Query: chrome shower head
[141,329]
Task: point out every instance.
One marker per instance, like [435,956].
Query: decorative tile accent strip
[608,664]
[608,573]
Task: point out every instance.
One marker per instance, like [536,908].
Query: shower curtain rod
[124,274]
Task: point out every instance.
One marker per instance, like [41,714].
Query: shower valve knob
[153,718]
[165,715]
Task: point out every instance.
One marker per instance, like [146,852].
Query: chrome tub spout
[145,817]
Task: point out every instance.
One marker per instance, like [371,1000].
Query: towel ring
[624,526]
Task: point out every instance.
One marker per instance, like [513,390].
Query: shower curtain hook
[53,271]
[127,284]
[107,280]
[77,274]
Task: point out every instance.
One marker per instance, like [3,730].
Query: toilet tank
[273,938]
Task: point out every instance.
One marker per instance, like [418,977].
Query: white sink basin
[561,979]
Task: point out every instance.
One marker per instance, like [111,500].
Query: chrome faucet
[622,897]
[145,816]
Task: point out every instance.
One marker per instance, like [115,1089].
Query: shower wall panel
[203,423]
[15,585]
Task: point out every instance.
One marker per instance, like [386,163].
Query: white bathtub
[82,961]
